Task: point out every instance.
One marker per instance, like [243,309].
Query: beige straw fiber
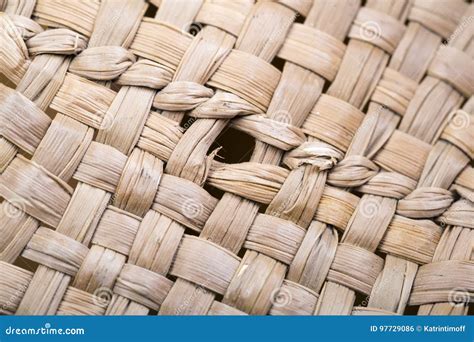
[232,157]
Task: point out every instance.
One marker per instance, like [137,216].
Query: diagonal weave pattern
[357,197]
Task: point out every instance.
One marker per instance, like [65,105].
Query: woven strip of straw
[357,196]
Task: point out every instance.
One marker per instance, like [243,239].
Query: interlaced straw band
[357,196]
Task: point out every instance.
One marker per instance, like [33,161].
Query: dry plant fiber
[233,157]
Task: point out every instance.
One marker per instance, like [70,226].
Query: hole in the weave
[187,122]
[346,40]
[192,232]
[115,87]
[26,264]
[380,254]
[365,108]
[234,146]
[361,299]
[6,82]
[152,313]
[94,134]
[151,11]
[411,310]
[241,253]
[339,230]
[326,86]
[219,297]
[278,63]
[72,183]
[355,192]
[172,277]
[262,208]
[214,192]
[24,154]
[299,19]
[51,113]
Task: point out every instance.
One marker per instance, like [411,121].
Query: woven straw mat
[216,157]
